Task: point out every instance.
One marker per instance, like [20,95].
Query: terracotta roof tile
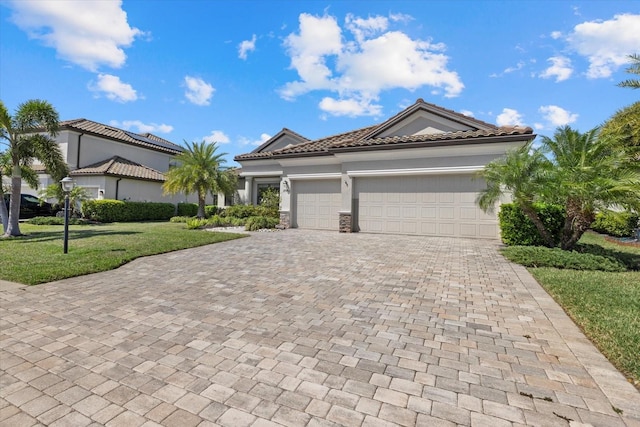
[366,137]
[117,166]
[146,140]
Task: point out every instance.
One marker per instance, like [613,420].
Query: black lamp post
[67,185]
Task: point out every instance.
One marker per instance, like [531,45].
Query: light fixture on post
[67,184]
[285,185]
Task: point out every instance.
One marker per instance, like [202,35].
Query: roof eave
[436,143]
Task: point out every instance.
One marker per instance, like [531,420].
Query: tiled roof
[453,137]
[146,140]
[117,166]
[365,138]
[284,131]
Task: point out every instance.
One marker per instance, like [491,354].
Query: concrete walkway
[301,328]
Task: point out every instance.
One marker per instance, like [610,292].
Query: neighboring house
[415,173]
[112,163]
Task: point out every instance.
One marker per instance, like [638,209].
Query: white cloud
[246,46]
[264,137]
[141,127]
[358,68]
[606,44]
[557,116]
[509,117]
[350,107]
[467,113]
[216,136]
[89,34]
[556,35]
[198,91]
[518,66]
[560,68]
[113,88]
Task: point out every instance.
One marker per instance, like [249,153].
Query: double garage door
[431,205]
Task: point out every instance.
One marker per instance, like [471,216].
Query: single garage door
[431,205]
[317,204]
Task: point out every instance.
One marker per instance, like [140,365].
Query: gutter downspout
[117,186]
[78,151]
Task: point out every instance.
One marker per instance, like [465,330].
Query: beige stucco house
[113,163]
[415,173]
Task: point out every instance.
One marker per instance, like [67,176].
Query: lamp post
[67,185]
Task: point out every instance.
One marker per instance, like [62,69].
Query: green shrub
[56,220]
[211,210]
[270,202]
[180,219]
[120,211]
[242,211]
[255,223]
[518,229]
[218,221]
[237,222]
[618,224]
[187,209]
[537,256]
[195,223]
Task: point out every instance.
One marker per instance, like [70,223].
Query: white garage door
[432,205]
[317,204]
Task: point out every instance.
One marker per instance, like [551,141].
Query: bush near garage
[617,224]
[517,229]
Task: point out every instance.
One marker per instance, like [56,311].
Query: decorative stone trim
[345,222]
[285,220]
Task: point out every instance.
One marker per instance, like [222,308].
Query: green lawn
[605,305]
[38,258]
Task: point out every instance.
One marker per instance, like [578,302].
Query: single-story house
[415,173]
[112,163]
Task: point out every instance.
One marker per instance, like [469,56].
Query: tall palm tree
[29,135]
[633,69]
[523,173]
[588,176]
[200,170]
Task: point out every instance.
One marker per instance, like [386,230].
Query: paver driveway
[304,328]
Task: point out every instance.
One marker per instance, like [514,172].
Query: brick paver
[304,328]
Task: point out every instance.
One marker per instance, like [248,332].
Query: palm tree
[522,173]
[622,130]
[200,170]
[588,176]
[76,196]
[28,175]
[25,142]
[633,69]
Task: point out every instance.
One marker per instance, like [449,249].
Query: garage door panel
[442,205]
[469,213]
[317,204]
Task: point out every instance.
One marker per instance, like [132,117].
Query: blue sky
[237,72]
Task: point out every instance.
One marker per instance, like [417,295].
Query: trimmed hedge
[555,257]
[518,229]
[618,224]
[246,211]
[187,209]
[120,211]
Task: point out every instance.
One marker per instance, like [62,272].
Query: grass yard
[605,305]
[38,258]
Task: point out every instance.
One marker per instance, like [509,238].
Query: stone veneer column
[345,222]
[285,219]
